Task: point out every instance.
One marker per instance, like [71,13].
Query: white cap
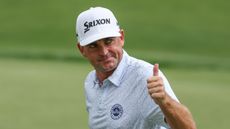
[96,23]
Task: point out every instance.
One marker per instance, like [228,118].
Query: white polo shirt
[123,101]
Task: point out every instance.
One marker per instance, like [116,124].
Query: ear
[81,48]
[122,37]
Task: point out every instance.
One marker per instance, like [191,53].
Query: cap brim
[98,37]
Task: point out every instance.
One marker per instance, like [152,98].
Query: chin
[109,68]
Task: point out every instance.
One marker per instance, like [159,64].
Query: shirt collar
[118,74]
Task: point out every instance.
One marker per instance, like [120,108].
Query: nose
[103,50]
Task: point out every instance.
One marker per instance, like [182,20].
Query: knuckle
[153,95]
[161,83]
[150,90]
[148,86]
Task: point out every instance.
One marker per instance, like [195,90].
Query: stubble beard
[107,67]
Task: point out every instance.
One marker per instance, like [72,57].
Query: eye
[108,41]
[92,45]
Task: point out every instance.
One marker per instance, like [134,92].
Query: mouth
[106,59]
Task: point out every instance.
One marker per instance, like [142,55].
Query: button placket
[101,91]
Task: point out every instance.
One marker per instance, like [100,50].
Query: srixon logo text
[93,23]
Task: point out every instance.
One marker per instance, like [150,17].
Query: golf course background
[42,72]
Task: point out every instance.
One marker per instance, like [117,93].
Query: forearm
[177,115]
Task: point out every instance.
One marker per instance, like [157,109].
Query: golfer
[124,92]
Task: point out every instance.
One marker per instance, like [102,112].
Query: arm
[177,115]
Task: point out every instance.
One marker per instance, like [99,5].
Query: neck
[103,75]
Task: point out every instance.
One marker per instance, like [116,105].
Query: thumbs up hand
[155,86]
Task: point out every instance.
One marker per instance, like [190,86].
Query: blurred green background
[42,72]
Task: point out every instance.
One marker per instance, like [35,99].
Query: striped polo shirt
[123,101]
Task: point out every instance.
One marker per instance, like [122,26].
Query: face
[104,54]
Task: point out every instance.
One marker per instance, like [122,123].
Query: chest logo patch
[116,111]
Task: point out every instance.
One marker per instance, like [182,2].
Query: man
[124,92]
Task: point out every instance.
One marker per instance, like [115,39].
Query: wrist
[166,102]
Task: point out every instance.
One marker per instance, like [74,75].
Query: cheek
[92,58]
[84,53]
[119,52]
[88,54]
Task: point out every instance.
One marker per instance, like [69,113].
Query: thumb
[156,70]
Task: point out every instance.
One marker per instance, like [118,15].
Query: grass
[194,27]
[192,34]
[41,73]
[206,93]
[46,94]
[42,94]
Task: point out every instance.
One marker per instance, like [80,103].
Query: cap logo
[93,23]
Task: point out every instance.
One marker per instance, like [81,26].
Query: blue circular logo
[116,111]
